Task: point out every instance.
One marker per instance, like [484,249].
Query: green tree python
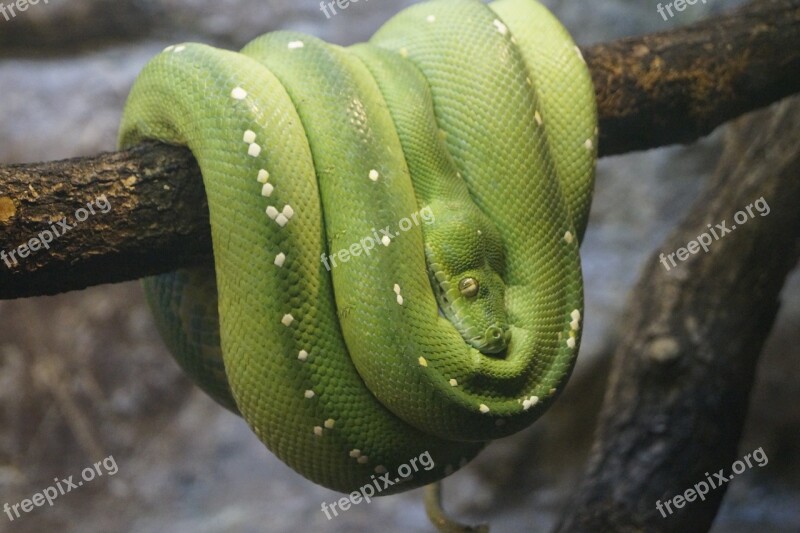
[459,329]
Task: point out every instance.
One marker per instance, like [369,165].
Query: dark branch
[675,87]
[681,376]
[652,91]
[158,220]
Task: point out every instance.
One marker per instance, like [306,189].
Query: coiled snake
[455,331]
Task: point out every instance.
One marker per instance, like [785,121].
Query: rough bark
[158,220]
[676,86]
[681,376]
[652,91]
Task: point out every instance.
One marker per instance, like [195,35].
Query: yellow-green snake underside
[395,229]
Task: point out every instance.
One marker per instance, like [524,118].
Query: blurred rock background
[84,375]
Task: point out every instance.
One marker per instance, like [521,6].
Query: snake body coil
[476,121]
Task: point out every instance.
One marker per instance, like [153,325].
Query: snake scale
[448,334]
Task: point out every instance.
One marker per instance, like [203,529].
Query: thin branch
[652,91]
[681,377]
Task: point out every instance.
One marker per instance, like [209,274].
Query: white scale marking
[575,324]
[254,150]
[400,298]
[527,403]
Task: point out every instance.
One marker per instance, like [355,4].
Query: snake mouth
[493,341]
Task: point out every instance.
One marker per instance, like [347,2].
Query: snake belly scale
[457,331]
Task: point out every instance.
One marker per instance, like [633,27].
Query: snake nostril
[494,333]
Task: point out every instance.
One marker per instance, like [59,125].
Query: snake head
[465,260]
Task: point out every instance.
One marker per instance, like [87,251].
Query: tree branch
[675,87]
[157,222]
[652,91]
[681,376]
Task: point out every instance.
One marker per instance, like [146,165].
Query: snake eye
[468,287]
